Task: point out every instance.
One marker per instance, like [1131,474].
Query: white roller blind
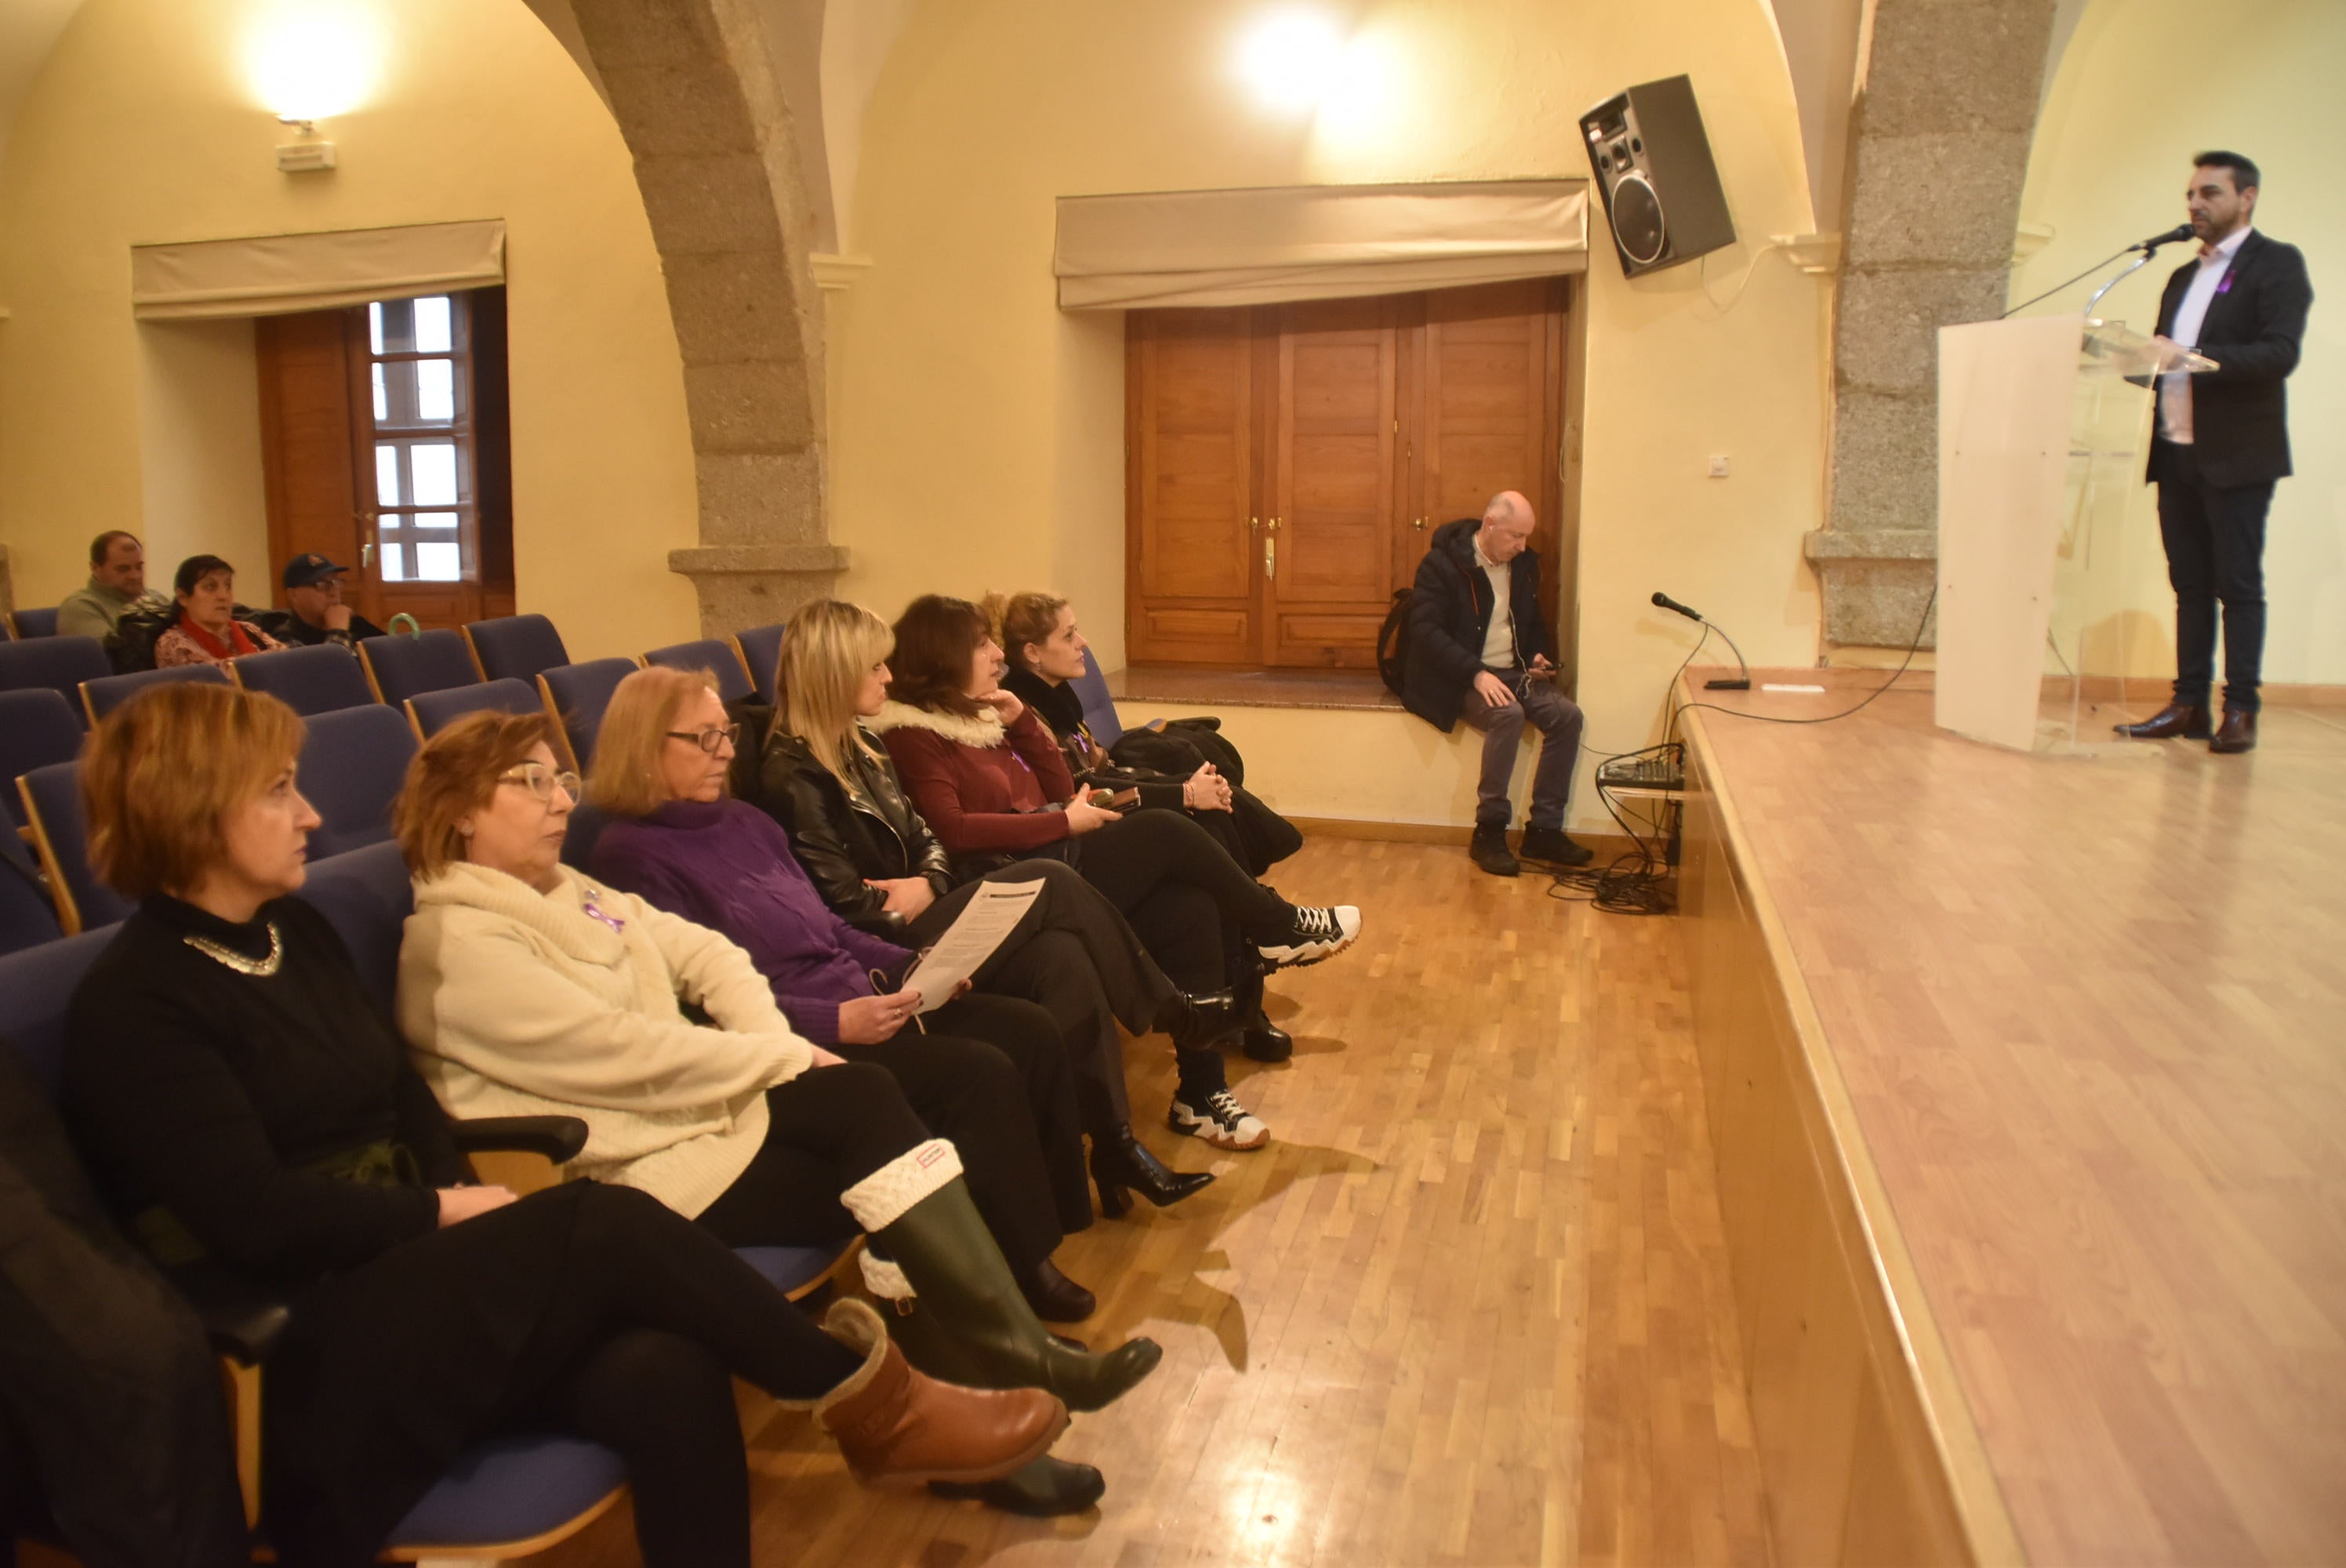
[1314,241]
[280,273]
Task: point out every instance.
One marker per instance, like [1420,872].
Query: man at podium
[2221,441]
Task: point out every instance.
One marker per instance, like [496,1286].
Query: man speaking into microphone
[2221,443]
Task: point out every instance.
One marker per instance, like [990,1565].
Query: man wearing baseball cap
[315,612]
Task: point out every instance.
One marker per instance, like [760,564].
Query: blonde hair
[1023,619]
[626,777]
[829,646]
[454,776]
[158,774]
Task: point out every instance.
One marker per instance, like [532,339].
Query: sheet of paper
[971,939]
[1778,686]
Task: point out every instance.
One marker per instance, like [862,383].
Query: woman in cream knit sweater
[524,988]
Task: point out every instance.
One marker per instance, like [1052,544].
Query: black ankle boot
[1055,1298]
[1044,1490]
[1264,1041]
[1121,1163]
[1195,1020]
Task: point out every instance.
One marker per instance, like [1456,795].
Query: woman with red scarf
[204,629]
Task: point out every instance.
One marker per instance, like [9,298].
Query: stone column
[692,87]
[1938,154]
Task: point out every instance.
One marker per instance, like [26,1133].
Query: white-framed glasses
[542,781]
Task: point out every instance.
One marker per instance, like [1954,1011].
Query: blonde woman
[525,988]
[241,1096]
[827,781]
[988,1072]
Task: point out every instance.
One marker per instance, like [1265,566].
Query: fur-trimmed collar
[560,916]
[982,731]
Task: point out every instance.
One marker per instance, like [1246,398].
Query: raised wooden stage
[2027,1082]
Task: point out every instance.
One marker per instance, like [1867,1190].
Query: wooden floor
[2091,1016]
[1471,1306]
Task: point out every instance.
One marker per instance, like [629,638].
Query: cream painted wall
[977,429]
[2112,156]
[199,446]
[141,127]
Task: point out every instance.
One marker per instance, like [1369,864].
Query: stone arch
[692,88]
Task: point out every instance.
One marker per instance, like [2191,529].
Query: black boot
[1046,1489]
[1195,1020]
[1488,850]
[965,1288]
[1121,1163]
[1264,1041]
[2188,719]
[1550,845]
[1055,1298]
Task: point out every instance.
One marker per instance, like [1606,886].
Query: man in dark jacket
[2220,442]
[1478,650]
[315,612]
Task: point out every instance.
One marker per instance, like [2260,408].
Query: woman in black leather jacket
[876,862]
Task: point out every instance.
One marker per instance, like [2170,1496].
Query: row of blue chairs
[505,1498]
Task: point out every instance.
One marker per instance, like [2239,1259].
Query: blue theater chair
[515,647]
[577,694]
[721,658]
[52,799]
[352,764]
[308,680]
[61,664]
[432,711]
[42,623]
[103,694]
[759,649]
[399,667]
[37,726]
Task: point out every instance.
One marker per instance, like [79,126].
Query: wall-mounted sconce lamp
[307,155]
[309,60]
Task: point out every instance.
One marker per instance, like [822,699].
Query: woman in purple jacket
[989,1072]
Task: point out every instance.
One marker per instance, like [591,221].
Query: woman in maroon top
[988,775]
[204,628]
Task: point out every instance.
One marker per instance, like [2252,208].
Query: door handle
[1418,523]
[366,555]
[1270,559]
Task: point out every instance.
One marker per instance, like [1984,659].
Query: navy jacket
[1450,614]
[2239,412]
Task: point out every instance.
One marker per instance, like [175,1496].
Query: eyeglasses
[535,778]
[708,741]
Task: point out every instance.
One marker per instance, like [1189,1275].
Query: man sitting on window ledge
[1478,650]
[314,611]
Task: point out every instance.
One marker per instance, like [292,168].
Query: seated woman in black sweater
[242,1100]
[1044,649]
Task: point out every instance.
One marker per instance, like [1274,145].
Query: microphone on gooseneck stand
[1721,683]
[2181,232]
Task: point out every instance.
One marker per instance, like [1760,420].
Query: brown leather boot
[2238,733]
[898,1427]
[2184,718]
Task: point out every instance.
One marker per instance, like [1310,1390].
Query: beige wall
[199,451]
[2143,86]
[977,429]
[141,127]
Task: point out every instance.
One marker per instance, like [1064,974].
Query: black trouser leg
[1182,928]
[975,1094]
[1031,1036]
[665,1404]
[1129,860]
[828,1128]
[2192,572]
[1136,988]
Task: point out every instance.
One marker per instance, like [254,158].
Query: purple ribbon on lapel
[2226,286]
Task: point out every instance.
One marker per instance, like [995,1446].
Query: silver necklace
[230,958]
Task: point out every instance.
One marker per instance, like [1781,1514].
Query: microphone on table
[2179,232]
[1722,683]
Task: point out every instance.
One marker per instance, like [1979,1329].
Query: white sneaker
[1317,934]
[1221,1120]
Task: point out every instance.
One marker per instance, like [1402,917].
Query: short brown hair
[454,776]
[103,545]
[625,779]
[158,773]
[1025,618]
[936,636]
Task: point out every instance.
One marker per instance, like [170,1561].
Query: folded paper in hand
[989,916]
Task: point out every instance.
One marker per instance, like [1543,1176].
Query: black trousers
[1128,861]
[1079,960]
[586,1306]
[829,1127]
[2215,538]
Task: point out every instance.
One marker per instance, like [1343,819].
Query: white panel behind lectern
[2006,396]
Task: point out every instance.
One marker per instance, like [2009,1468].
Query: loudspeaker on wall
[1654,168]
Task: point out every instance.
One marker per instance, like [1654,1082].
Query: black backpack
[1392,644]
[132,645]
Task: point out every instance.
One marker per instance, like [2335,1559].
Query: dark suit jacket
[2239,412]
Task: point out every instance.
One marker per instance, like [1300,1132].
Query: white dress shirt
[2175,386]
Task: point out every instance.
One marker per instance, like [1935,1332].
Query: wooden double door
[1286,465]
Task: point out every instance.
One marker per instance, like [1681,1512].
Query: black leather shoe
[2238,733]
[1550,845]
[1121,1164]
[1043,1490]
[1264,1041]
[2184,718]
[1055,1298]
[1197,1020]
[1489,850]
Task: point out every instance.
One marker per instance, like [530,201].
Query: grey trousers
[1557,718]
